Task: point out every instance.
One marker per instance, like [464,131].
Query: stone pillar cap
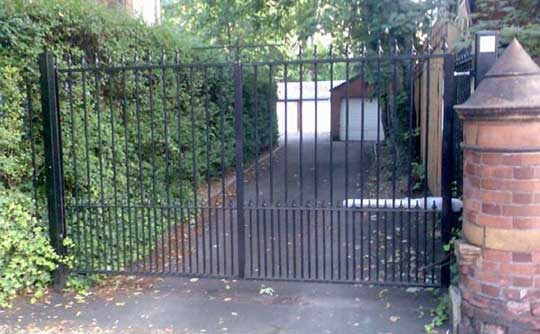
[509,91]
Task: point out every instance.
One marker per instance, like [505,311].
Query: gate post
[52,140]
[499,258]
[447,163]
[485,54]
[239,157]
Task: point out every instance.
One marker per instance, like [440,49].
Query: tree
[287,23]
[254,22]
[519,18]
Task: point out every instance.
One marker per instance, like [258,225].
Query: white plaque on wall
[487,44]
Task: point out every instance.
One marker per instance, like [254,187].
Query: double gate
[191,169]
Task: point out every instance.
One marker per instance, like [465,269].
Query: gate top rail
[326,60]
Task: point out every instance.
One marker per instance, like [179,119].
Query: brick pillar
[499,258]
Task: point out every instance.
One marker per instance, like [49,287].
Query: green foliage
[369,21]
[514,19]
[246,22]
[107,143]
[26,257]
[289,23]
[439,314]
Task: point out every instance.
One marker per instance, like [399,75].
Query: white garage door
[355,122]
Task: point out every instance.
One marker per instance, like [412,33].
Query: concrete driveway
[309,170]
[178,305]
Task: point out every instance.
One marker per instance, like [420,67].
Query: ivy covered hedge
[113,133]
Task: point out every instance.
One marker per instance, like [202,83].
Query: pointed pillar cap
[510,90]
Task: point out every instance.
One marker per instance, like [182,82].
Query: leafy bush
[26,257]
[103,150]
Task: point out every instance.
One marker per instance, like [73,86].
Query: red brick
[519,268]
[470,168]
[476,157]
[529,159]
[470,216]
[502,172]
[492,329]
[521,210]
[514,159]
[522,198]
[521,257]
[471,283]
[489,265]
[514,293]
[480,301]
[490,290]
[472,205]
[520,185]
[522,281]
[493,196]
[518,308]
[494,278]
[491,209]
[533,294]
[525,223]
[466,270]
[511,160]
[496,255]
[492,158]
[535,309]
[494,221]
[524,173]
[474,181]
[492,184]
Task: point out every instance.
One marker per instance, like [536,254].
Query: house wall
[148,10]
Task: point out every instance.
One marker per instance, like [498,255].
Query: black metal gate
[194,169]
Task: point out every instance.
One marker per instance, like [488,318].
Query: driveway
[310,170]
[304,243]
[177,305]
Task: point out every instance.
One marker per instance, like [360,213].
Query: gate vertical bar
[448,167]
[239,156]
[53,159]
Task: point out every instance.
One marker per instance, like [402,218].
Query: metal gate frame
[55,181]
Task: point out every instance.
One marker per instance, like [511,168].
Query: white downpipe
[434,203]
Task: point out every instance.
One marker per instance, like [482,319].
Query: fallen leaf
[412,290]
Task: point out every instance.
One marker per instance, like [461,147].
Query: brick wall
[499,258]
[499,265]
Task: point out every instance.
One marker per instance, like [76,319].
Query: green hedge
[84,29]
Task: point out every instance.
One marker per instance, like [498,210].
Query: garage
[361,102]
[372,127]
